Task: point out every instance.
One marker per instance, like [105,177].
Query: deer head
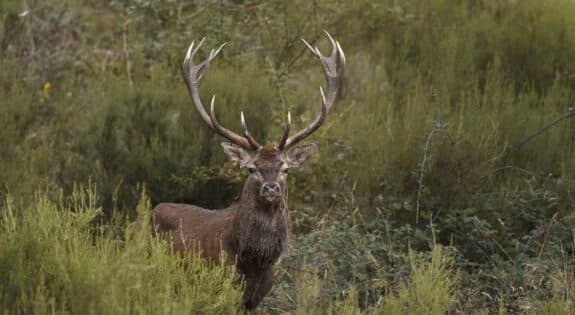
[268,166]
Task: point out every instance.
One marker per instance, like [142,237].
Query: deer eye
[285,170]
[251,170]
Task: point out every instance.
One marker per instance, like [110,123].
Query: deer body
[183,224]
[255,238]
[254,231]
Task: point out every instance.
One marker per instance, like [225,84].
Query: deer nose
[270,190]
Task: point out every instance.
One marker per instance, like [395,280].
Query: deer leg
[257,286]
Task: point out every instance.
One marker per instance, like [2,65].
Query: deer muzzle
[271,191]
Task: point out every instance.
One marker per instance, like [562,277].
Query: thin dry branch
[569,114]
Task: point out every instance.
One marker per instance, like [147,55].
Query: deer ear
[299,155]
[236,154]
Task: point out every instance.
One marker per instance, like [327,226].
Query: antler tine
[205,65]
[193,80]
[193,75]
[315,51]
[333,77]
[342,55]
[285,136]
[230,135]
[191,54]
[219,49]
[247,134]
[333,44]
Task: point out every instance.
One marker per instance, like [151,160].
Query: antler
[193,75]
[333,76]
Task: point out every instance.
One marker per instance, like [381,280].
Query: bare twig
[435,129]
[569,114]
[389,241]
[26,14]
[546,235]
[301,53]
[126,52]
[221,21]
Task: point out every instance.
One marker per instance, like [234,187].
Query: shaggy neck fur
[261,230]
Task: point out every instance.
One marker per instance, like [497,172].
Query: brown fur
[254,232]
[268,154]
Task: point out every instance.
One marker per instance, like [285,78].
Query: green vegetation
[53,262]
[444,181]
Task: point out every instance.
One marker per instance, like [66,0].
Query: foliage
[54,260]
[431,289]
[448,131]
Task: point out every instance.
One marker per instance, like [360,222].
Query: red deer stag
[255,231]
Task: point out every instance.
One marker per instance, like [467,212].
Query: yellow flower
[47,88]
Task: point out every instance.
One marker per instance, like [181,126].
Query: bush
[54,260]
[455,118]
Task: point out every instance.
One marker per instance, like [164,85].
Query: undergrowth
[456,118]
[55,260]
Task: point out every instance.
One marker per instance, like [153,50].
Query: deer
[254,231]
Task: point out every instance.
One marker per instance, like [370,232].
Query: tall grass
[53,259]
[446,122]
[431,289]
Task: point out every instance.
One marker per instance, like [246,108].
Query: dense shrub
[454,126]
[54,260]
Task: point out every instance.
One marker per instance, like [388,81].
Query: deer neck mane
[260,231]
